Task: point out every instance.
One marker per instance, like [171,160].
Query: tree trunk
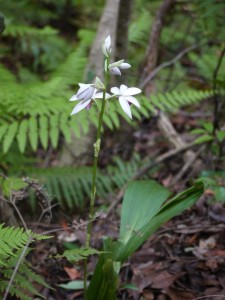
[163,122]
[80,151]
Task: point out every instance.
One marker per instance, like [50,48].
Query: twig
[23,253]
[167,64]
[187,165]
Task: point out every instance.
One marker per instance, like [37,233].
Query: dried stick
[186,166]
[167,64]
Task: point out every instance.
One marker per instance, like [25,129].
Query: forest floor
[183,260]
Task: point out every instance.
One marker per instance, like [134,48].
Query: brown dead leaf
[178,294]
[162,280]
[148,295]
[72,273]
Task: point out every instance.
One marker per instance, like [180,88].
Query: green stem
[97,147]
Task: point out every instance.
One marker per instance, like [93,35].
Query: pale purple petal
[115,71]
[125,66]
[131,91]
[85,93]
[81,105]
[115,90]
[133,101]
[74,98]
[125,106]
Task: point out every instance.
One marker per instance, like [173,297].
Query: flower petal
[115,90]
[85,93]
[116,63]
[74,98]
[133,101]
[123,88]
[115,71]
[106,47]
[132,91]
[125,106]
[108,42]
[81,105]
[125,66]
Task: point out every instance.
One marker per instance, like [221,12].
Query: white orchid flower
[115,67]
[125,96]
[85,92]
[87,97]
[106,47]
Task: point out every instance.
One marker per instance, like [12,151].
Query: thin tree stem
[97,147]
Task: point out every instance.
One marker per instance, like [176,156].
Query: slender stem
[97,147]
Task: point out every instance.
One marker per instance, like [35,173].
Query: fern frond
[12,238]
[24,280]
[76,255]
[71,185]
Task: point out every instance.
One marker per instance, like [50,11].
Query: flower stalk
[97,147]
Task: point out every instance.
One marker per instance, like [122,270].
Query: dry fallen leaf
[72,273]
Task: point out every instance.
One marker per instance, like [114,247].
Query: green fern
[23,285]
[12,243]
[12,238]
[76,255]
[71,185]
[40,112]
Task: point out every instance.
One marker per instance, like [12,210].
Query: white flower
[115,67]
[106,47]
[125,96]
[86,94]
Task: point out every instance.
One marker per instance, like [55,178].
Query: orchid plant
[145,205]
[87,95]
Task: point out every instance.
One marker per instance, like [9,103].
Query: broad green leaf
[198,131]
[73,285]
[141,203]
[220,135]
[204,139]
[104,282]
[208,126]
[130,286]
[12,183]
[172,208]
